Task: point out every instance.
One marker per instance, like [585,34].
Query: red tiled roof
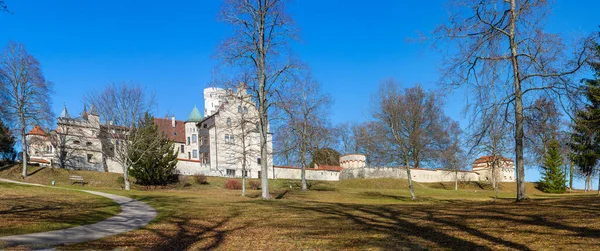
[37,130]
[485,159]
[329,168]
[176,134]
[36,160]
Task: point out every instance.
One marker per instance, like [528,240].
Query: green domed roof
[195,116]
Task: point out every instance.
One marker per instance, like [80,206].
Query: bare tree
[542,124]
[452,155]
[121,107]
[3,7]
[25,93]
[502,48]
[413,120]
[306,116]
[259,45]
[490,136]
[371,140]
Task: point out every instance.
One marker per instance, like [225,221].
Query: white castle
[216,145]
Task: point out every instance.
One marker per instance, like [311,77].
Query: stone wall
[418,175]
[311,174]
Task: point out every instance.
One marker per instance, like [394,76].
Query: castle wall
[311,174]
[418,175]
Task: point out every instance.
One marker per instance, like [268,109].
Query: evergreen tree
[554,178]
[586,136]
[7,143]
[156,158]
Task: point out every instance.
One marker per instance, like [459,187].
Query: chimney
[173,121]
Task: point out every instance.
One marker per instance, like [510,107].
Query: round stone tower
[353,160]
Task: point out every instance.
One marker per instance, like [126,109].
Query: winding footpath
[134,214]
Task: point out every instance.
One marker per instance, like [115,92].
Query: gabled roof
[195,116]
[37,130]
[486,159]
[176,134]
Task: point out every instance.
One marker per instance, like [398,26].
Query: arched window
[228,122]
[245,109]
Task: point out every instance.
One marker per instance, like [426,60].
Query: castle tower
[191,134]
[213,98]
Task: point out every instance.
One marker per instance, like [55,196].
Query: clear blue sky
[167,46]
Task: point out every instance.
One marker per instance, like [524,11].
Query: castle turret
[213,98]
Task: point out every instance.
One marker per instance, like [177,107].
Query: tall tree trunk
[126,177]
[519,131]
[410,184]
[244,172]
[456,181]
[571,175]
[23,149]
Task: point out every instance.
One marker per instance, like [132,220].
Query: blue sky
[168,47]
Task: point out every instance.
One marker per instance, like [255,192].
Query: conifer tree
[554,178]
[586,135]
[157,159]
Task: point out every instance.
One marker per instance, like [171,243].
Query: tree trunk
[599,184]
[519,131]
[571,176]
[410,184]
[126,178]
[263,163]
[243,185]
[456,181]
[24,150]
[304,186]
[244,171]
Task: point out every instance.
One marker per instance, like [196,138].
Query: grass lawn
[27,209]
[358,214]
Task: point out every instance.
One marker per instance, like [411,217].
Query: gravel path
[134,214]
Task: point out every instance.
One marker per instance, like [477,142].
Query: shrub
[255,184]
[200,179]
[233,185]
[121,180]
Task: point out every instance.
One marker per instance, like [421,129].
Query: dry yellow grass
[358,215]
[26,209]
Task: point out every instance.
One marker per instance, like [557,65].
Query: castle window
[228,122]
[204,125]
[182,149]
[174,134]
[230,172]
[258,161]
[89,157]
[245,109]
[195,153]
[189,155]
[88,143]
[227,138]
[188,140]
[194,138]
[76,142]
[240,109]
[245,173]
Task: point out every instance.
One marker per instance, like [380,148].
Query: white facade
[213,98]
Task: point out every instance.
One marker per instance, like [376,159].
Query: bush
[200,179]
[233,185]
[255,184]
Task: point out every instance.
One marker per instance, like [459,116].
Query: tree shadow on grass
[461,225]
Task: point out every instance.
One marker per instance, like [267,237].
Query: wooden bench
[76,178]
